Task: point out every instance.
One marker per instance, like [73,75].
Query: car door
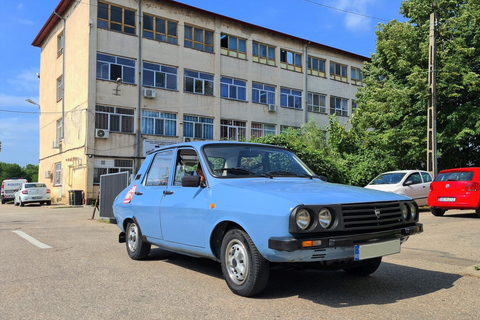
[415,188]
[182,208]
[150,192]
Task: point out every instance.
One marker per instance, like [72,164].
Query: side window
[159,171]
[186,165]
[415,178]
[426,177]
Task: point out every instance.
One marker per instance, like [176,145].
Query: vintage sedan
[411,183]
[250,206]
[455,189]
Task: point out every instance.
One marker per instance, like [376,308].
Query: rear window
[455,176]
[35,185]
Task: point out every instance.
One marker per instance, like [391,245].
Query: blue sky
[20,22]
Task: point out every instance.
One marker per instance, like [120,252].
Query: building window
[60,88]
[339,106]
[354,105]
[233,46]
[290,60]
[356,76]
[60,43]
[263,93]
[233,130]
[197,38]
[116,18]
[316,67]
[198,127]
[160,29]
[159,76]
[59,131]
[107,166]
[233,89]
[112,68]
[290,98]
[198,82]
[263,53]
[338,72]
[58,174]
[317,103]
[262,129]
[159,123]
[114,119]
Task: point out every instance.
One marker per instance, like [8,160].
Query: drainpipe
[63,75]
[306,82]
[139,112]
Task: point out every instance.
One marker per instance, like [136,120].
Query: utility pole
[432,98]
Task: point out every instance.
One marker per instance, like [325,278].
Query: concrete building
[119,77]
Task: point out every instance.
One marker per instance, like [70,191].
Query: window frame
[354,72]
[233,88]
[291,98]
[317,72]
[205,125]
[60,43]
[200,78]
[162,117]
[57,181]
[117,112]
[166,36]
[317,108]
[163,70]
[257,53]
[109,22]
[295,65]
[60,92]
[258,130]
[118,62]
[237,128]
[264,91]
[192,43]
[336,71]
[233,52]
[342,110]
[111,166]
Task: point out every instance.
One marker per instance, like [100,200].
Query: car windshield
[455,176]
[241,161]
[388,178]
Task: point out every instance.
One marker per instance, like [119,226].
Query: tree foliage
[13,170]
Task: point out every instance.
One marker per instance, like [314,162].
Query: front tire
[243,267]
[137,249]
[364,268]
[437,212]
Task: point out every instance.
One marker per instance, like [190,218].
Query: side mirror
[408,183]
[191,181]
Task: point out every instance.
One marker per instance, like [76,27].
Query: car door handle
[167,192]
[138,193]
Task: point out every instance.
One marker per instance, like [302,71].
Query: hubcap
[236,260]
[132,237]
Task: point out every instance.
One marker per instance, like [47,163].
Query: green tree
[13,170]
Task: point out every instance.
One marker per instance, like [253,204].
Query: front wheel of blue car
[137,249]
[243,267]
[364,268]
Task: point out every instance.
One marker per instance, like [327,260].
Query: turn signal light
[311,243]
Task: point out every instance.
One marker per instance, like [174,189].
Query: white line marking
[32,240]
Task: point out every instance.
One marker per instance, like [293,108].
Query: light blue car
[250,206]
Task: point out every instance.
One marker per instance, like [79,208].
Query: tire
[243,267]
[364,268]
[21,203]
[478,212]
[3,201]
[49,203]
[437,212]
[137,249]
[15,203]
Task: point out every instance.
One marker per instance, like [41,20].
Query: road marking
[32,240]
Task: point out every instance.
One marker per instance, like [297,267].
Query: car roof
[200,144]
[404,171]
[461,169]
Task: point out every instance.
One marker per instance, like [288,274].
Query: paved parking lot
[84,273]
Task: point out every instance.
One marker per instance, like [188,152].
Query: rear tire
[137,249]
[49,203]
[364,268]
[437,212]
[21,203]
[478,212]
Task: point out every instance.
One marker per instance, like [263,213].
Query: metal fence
[110,186]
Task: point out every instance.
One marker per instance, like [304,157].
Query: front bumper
[291,244]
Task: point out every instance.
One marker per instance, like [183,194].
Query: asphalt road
[82,272]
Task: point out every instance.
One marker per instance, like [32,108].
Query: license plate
[36,198]
[445,199]
[374,250]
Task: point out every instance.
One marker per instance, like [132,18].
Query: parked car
[9,187]
[455,189]
[32,192]
[257,205]
[411,183]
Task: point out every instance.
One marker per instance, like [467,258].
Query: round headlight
[325,218]
[413,211]
[405,211]
[303,219]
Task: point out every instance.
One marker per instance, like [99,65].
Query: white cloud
[26,80]
[9,101]
[357,23]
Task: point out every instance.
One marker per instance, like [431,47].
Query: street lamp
[32,102]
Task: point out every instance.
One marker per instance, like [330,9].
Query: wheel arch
[216,237]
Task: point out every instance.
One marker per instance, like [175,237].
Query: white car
[32,192]
[411,183]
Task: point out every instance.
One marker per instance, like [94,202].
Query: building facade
[121,77]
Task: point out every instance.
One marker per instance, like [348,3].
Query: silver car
[411,183]
[32,192]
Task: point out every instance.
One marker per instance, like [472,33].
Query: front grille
[362,216]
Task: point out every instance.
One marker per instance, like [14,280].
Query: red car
[455,189]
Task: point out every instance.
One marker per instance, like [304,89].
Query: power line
[346,11]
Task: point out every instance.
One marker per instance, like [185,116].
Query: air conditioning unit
[56,144]
[149,93]
[187,139]
[48,174]
[272,108]
[101,133]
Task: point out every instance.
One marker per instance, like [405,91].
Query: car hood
[383,187]
[306,191]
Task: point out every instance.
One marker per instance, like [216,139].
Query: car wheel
[364,268]
[478,212]
[137,249]
[49,203]
[42,203]
[21,203]
[15,203]
[243,267]
[3,201]
[437,212]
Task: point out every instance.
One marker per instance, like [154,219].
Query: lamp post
[33,102]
